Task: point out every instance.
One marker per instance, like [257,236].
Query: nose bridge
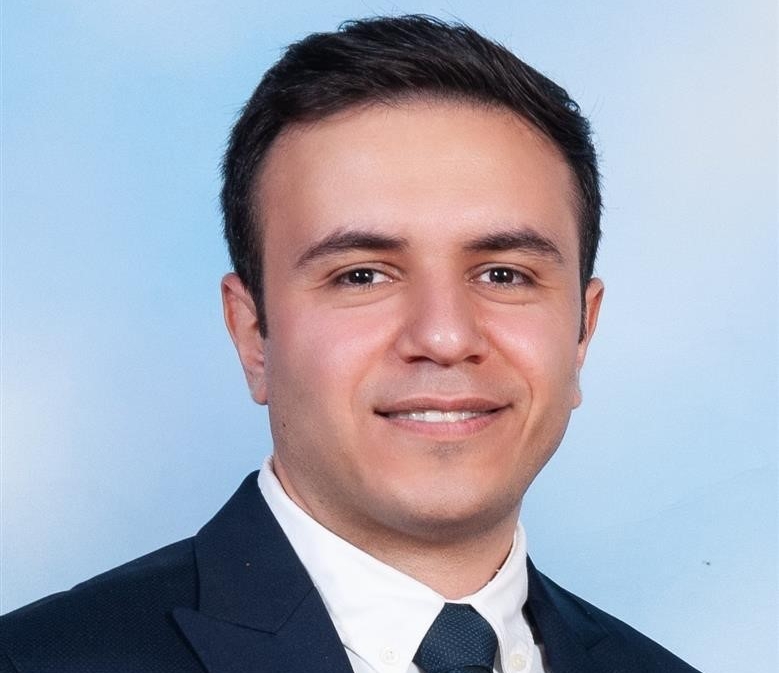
[441,323]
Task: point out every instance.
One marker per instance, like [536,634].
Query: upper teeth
[436,416]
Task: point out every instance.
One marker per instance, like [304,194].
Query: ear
[593,296]
[240,316]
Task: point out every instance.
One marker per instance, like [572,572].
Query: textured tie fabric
[459,641]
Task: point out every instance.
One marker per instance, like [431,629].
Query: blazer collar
[572,639]
[258,611]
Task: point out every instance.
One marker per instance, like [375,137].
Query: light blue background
[125,418]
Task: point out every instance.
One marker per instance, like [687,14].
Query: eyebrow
[512,239]
[517,239]
[343,241]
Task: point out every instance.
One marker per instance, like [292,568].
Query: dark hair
[384,60]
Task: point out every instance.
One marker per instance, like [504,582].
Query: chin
[455,513]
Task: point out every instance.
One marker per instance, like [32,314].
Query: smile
[436,415]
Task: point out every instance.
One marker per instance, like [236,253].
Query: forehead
[427,170]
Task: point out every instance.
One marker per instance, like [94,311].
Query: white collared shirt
[380,613]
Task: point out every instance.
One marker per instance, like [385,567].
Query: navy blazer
[236,599]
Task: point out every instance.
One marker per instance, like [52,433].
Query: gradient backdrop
[125,418]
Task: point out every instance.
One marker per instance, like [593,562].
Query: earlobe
[240,315]
[577,389]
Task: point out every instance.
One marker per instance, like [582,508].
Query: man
[413,217]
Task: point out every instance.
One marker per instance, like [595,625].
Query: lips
[429,410]
[437,415]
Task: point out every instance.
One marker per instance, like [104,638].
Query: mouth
[463,414]
[437,415]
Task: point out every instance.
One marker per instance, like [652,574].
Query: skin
[417,256]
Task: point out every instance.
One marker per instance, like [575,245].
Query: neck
[455,559]
[453,569]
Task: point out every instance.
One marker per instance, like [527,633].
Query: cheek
[323,350]
[540,346]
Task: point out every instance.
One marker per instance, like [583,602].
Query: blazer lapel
[258,611]
[564,629]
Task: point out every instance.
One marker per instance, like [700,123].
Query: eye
[502,275]
[363,277]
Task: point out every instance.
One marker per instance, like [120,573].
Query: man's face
[423,306]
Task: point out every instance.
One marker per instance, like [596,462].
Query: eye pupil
[501,275]
[360,276]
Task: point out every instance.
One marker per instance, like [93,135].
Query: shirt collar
[382,614]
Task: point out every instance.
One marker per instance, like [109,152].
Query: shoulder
[605,637]
[121,617]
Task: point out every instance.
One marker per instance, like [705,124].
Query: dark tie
[459,641]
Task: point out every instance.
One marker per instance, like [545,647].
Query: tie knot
[459,641]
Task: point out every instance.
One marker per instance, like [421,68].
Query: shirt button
[517,662]
[389,656]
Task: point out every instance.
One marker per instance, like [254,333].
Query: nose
[441,324]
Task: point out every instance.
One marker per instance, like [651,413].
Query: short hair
[386,60]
